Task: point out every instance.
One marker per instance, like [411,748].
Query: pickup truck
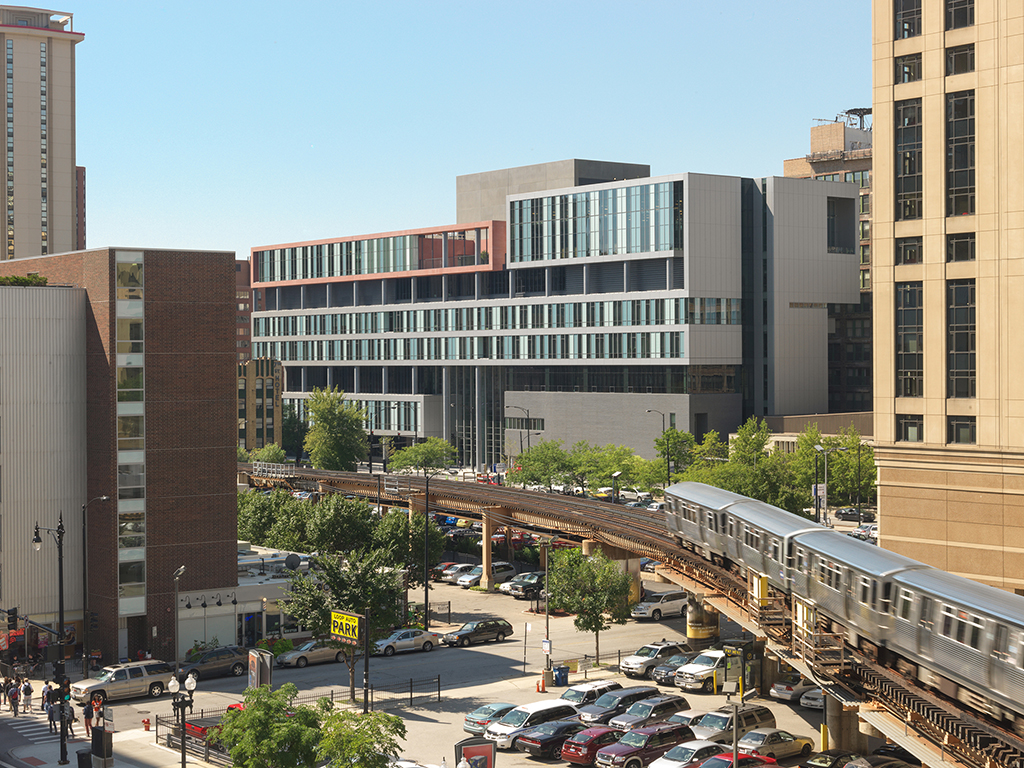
[529,587]
[709,670]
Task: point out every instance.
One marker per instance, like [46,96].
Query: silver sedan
[310,652]
[407,640]
[773,742]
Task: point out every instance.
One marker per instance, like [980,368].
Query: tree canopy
[335,440]
[353,739]
[431,454]
[272,454]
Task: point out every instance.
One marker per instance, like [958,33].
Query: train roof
[970,595]
[857,554]
[770,518]
[705,495]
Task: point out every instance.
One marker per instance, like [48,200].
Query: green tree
[432,454]
[676,447]
[402,541]
[545,463]
[339,525]
[271,732]
[335,440]
[751,443]
[242,454]
[363,580]
[271,453]
[257,513]
[293,431]
[593,587]
[353,739]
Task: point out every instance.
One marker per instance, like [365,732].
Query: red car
[581,748]
[744,760]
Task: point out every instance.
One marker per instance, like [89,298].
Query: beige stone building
[44,204]
[259,403]
[948,283]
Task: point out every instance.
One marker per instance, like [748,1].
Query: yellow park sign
[345,627]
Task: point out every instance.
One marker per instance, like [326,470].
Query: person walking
[13,696]
[3,691]
[26,697]
[70,716]
[54,717]
[44,694]
[87,717]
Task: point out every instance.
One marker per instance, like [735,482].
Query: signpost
[350,628]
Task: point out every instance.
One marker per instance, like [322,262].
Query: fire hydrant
[145,723]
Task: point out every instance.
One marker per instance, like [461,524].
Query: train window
[961,626]
[830,574]
[1000,646]
[864,590]
[751,537]
[712,522]
[775,551]
[926,611]
[732,527]
[906,603]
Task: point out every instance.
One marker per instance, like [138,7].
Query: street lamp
[426,546]
[825,452]
[177,575]
[181,702]
[546,546]
[668,473]
[615,486]
[58,667]
[85,586]
[528,427]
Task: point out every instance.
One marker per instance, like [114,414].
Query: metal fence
[438,612]
[206,750]
[405,693]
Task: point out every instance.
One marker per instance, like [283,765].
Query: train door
[997,665]
[925,627]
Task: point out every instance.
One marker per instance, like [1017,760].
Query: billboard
[345,627]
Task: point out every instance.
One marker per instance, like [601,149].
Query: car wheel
[649,673]
[500,637]
[99,697]
[238,670]
[427,646]
[156,690]
[634,764]
[709,686]
[771,755]
[556,752]
[301,662]
[463,642]
[389,650]
[656,615]
[339,657]
[805,751]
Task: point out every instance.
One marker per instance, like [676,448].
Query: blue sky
[225,125]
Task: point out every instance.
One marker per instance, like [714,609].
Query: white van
[659,604]
[527,717]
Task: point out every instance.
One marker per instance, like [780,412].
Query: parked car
[546,740]
[650,656]
[690,717]
[407,640]
[791,687]
[506,586]
[776,743]
[877,761]
[477,721]
[655,605]
[665,673]
[529,587]
[214,662]
[895,750]
[857,515]
[646,711]
[813,699]
[689,753]
[125,681]
[587,693]
[309,652]
[454,572]
[500,572]
[527,717]
[830,758]
[478,631]
[582,748]
[642,746]
[743,760]
[614,703]
[438,570]
[718,725]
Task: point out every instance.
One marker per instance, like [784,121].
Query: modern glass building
[700,297]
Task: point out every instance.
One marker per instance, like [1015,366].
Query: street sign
[545,646]
[584,664]
[345,627]
[3,641]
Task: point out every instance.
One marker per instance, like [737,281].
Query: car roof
[658,727]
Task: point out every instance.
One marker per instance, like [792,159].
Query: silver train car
[955,635]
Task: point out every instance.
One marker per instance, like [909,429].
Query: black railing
[405,693]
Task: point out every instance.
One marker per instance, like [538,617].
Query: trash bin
[84,758]
[561,675]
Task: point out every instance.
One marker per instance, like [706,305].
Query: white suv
[659,604]
[499,572]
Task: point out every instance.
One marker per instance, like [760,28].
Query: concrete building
[243,315]
[44,209]
[700,297]
[947,283]
[841,151]
[259,403]
[158,437]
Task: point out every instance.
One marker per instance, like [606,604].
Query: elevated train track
[973,740]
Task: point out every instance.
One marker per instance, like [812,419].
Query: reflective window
[960,183]
[961,429]
[908,68]
[909,250]
[909,428]
[909,340]
[959,13]
[960,59]
[908,159]
[960,247]
[960,338]
[908,18]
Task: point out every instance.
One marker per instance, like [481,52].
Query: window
[960,247]
[961,626]
[909,250]
[908,68]
[865,204]
[909,338]
[865,253]
[960,153]
[959,13]
[865,230]
[906,604]
[960,339]
[960,59]
[909,428]
[865,279]
[961,430]
[908,18]
[908,159]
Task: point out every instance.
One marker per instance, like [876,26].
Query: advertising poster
[477,751]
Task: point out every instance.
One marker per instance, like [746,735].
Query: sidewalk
[134,748]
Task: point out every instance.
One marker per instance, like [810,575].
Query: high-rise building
[243,315]
[948,283]
[841,151]
[44,204]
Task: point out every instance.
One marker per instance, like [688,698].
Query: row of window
[961,342]
[961,246]
[959,61]
[860,178]
[960,430]
[907,16]
[587,346]
[592,314]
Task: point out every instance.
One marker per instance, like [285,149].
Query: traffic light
[12,620]
[65,688]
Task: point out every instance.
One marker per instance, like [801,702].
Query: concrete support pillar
[843,727]
[702,629]
[485,551]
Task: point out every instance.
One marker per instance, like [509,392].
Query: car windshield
[477,571]
[789,680]
[754,738]
[583,737]
[469,625]
[634,739]
[715,721]
[546,729]
[574,697]
[306,646]
[681,754]
[706,661]
[640,709]
[675,660]
[197,656]
[718,762]
[821,760]
[515,718]
[647,652]
[105,675]
[608,700]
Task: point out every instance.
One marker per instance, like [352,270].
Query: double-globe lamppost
[177,656]
[86,618]
[181,702]
[668,471]
[529,426]
[825,452]
[58,666]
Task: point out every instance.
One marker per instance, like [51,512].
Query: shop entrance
[250,629]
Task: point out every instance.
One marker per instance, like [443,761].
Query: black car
[546,740]
[529,586]
[478,631]
[216,662]
[856,515]
[665,674]
[895,750]
[614,703]
[830,758]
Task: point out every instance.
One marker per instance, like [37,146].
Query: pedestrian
[44,694]
[3,690]
[70,717]
[54,717]
[12,696]
[26,697]
[87,717]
